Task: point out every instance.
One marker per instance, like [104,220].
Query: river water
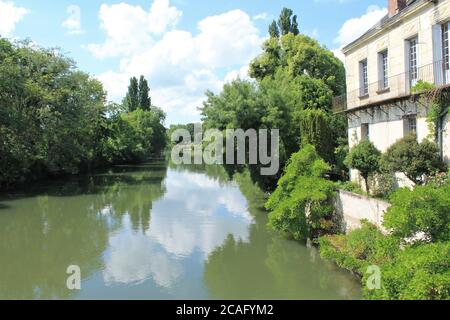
[155,232]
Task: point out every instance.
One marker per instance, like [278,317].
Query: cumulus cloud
[180,65]
[353,28]
[73,22]
[10,15]
[130,29]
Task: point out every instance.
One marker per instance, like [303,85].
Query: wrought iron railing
[396,86]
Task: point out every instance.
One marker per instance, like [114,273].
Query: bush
[385,185]
[425,209]
[360,248]
[419,273]
[412,158]
[300,206]
[365,158]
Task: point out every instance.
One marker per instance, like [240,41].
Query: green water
[154,232]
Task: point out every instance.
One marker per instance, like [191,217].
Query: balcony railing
[396,86]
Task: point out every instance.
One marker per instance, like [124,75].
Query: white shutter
[437,55]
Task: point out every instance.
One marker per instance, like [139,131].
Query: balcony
[398,86]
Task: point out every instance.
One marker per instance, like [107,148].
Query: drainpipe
[441,132]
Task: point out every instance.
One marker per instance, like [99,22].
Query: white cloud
[10,15]
[129,28]
[180,65]
[261,16]
[353,28]
[73,22]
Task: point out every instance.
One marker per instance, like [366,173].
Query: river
[155,232]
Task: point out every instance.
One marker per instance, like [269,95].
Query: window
[445,52]
[410,125]
[413,70]
[364,78]
[365,131]
[384,70]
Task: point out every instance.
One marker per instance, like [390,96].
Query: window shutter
[437,55]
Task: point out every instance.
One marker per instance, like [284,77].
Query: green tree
[300,206]
[131,100]
[418,273]
[294,27]
[286,23]
[145,101]
[274,32]
[365,158]
[412,158]
[424,209]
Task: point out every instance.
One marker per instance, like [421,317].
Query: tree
[294,26]
[299,55]
[412,158]
[300,206]
[365,158]
[284,21]
[424,209]
[132,98]
[418,273]
[274,32]
[145,101]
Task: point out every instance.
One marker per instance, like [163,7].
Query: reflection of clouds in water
[198,218]
[196,214]
[135,258]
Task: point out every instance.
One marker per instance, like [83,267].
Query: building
[411,43]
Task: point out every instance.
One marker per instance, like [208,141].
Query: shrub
[419,273]
[412,158]
[385,185]
[365,158]
[360,248]
[300,206]
[425,209]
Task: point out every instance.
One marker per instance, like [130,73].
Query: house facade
[409,45]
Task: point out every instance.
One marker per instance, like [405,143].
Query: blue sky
[182,46]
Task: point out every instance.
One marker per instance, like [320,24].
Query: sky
[183,47]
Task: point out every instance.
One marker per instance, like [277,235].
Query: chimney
[395,6]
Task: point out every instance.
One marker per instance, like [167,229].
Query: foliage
[412,158]
[350,187]
[299,55]
[436,104]
[274,32]
[424,209]
[360,248]
[300,206]
[138,95]
[136,136]
[288,23]
[384,184]
[52,116]
[365,158]
[418,273]
[54,119]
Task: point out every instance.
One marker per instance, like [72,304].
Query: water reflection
[152,232]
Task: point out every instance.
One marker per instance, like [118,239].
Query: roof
[386,20]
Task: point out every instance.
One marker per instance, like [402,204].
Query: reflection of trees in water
[270,267]
[45,230]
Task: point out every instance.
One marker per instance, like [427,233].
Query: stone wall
[351,208]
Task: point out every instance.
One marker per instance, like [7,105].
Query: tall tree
[131,100]
[284,22]
[144,98]
[294,26]
[274,32]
